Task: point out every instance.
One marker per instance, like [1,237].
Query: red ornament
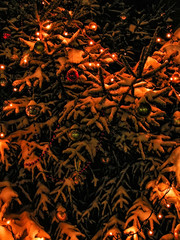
[72,75]
[6,35]
[61,213]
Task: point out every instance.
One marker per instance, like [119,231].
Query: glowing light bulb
[70,13]
[158,39]
[65,33]
[171,78]
[90,64]
[101,50]
[8,221]
[2,67]
[168,205]
[168,35]
[160,216]
[10,104]
[150,233]
[15,89]
[114,56]
[123,17]
[110,233]
[91,42]
[97,64]
[37,33]
[112,79]
[93,26]
[2,135]
[48,26]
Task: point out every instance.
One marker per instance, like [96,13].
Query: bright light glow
[37,33]
[48,26]
[112,79]
[123,17]
[8,221]
[150,232]
[160,216]
[2,135]
[10,104]
[110,233]
[168,205]
[101,50]
[15,89]
[70,13]
[65,33]
[158,40]
[168,35]
[2,67]
[90,64]
[97,64]
[38,39]
[91,42]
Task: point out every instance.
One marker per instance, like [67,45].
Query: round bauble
[61,213]
[75,134]
[3,80]
[144,109]
[32,109]
[176,119]
[39,47]
[72,75]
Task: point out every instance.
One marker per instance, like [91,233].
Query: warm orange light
[91,42]
[150,233]
[2,67]
[101,50]
[168,205]
[65,33]
[38,39]
[112,79]
[123,17]
[160,216]
[37,33]
[2,135]
[48,26]
[8,221]
[10,104]
[168,35]
[158,40]
[114,56]
[15,89]
[93,26]
[110,233]
[70,13]
[97,64]
[90,64]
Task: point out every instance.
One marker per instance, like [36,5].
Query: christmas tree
[89,144]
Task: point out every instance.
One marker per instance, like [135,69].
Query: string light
[2,135]
[65,33]
[150,233]
[37,33]
[48,26]
[123,17]
[158,39]
[168,35]
[168,205]
[160,216]
[2,67]
[93,26]
[15,89]
[91,42]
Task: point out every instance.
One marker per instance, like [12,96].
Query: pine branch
[128,66]
[106,93]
